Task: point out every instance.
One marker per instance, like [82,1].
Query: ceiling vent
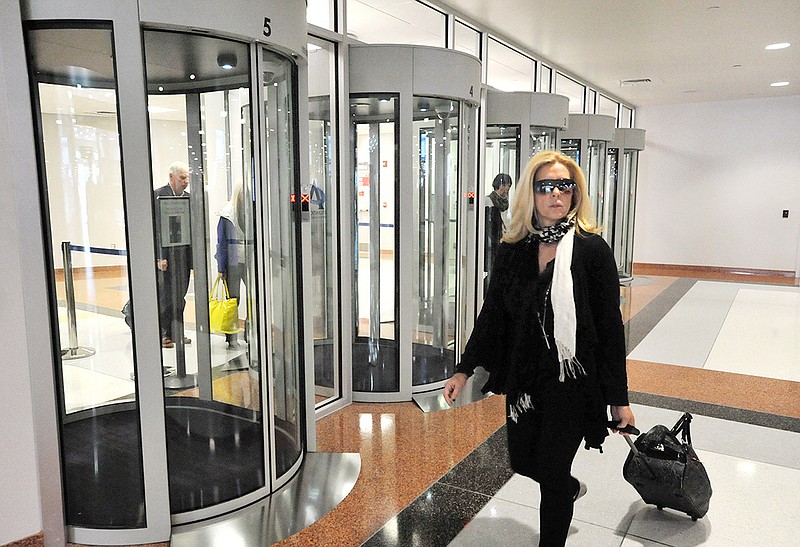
[634,81]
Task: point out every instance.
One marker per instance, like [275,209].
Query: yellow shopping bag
[223,312]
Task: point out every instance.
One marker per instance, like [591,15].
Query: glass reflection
[322,91]
[572,89]
[381,22]
[73,76]
[508,69]
[542,138]
[595,177]
[436,214]
[467,39]
[374,133]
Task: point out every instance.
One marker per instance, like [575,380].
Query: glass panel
[203,201]
[436,215]
[375,134]
[502,158]
[572,148]
[545,79]
[610,220]
[324,228]
[509,70]
[595,173]
[320,13]
[570,88]
[591,104]
[392,22]
[626,117]
[543,138]
[73,76]
[627,212]
[607,106]
[279,76]
[467,39]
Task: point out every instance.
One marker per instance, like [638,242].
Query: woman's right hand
[453,387]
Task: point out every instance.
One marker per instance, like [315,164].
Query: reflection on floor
[106,375]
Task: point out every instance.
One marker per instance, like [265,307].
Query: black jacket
[504,341]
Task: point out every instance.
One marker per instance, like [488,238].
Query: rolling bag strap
[683,427]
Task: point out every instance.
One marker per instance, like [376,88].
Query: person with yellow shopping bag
[230,255]
[223,311]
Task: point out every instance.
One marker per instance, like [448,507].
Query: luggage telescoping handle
[630,443]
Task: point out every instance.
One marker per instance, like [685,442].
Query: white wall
[20,508]
[713,180]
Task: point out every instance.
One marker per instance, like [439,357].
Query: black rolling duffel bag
[666,471]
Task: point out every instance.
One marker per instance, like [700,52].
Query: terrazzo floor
[440,478]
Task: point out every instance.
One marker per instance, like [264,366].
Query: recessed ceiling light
[781,45]
[779,84]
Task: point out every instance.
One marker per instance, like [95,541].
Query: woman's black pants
[542,445]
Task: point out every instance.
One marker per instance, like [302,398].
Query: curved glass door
[542,138]
[203,201]
[280,225]
[73,75]
[572,148]
[375,136]
[623,244]
[324,225]
[595,177]
[435,214]
[609,219]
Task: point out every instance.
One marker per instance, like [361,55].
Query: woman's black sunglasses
[545,186]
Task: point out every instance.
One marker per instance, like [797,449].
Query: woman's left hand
[625,416]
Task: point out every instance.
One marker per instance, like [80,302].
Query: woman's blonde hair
[521,224]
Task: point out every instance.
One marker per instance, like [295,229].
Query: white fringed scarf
[565,324]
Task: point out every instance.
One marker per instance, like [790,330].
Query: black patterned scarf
[554,233]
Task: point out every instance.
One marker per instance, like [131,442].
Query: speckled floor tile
[431,520]
[484,471]
[769,395]
[403,452]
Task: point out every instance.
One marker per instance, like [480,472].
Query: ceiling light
[779,84]
[226,61]
[634,81]
[781,45]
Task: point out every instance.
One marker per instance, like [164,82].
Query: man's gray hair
[176,168]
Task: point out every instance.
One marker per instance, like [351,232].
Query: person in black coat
[493,224]
[174,263]
[550,334]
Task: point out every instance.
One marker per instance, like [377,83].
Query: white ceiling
[692,50]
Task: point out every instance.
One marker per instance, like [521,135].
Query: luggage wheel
[660,507]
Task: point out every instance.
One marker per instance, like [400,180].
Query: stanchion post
[74,351]
[69,287]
